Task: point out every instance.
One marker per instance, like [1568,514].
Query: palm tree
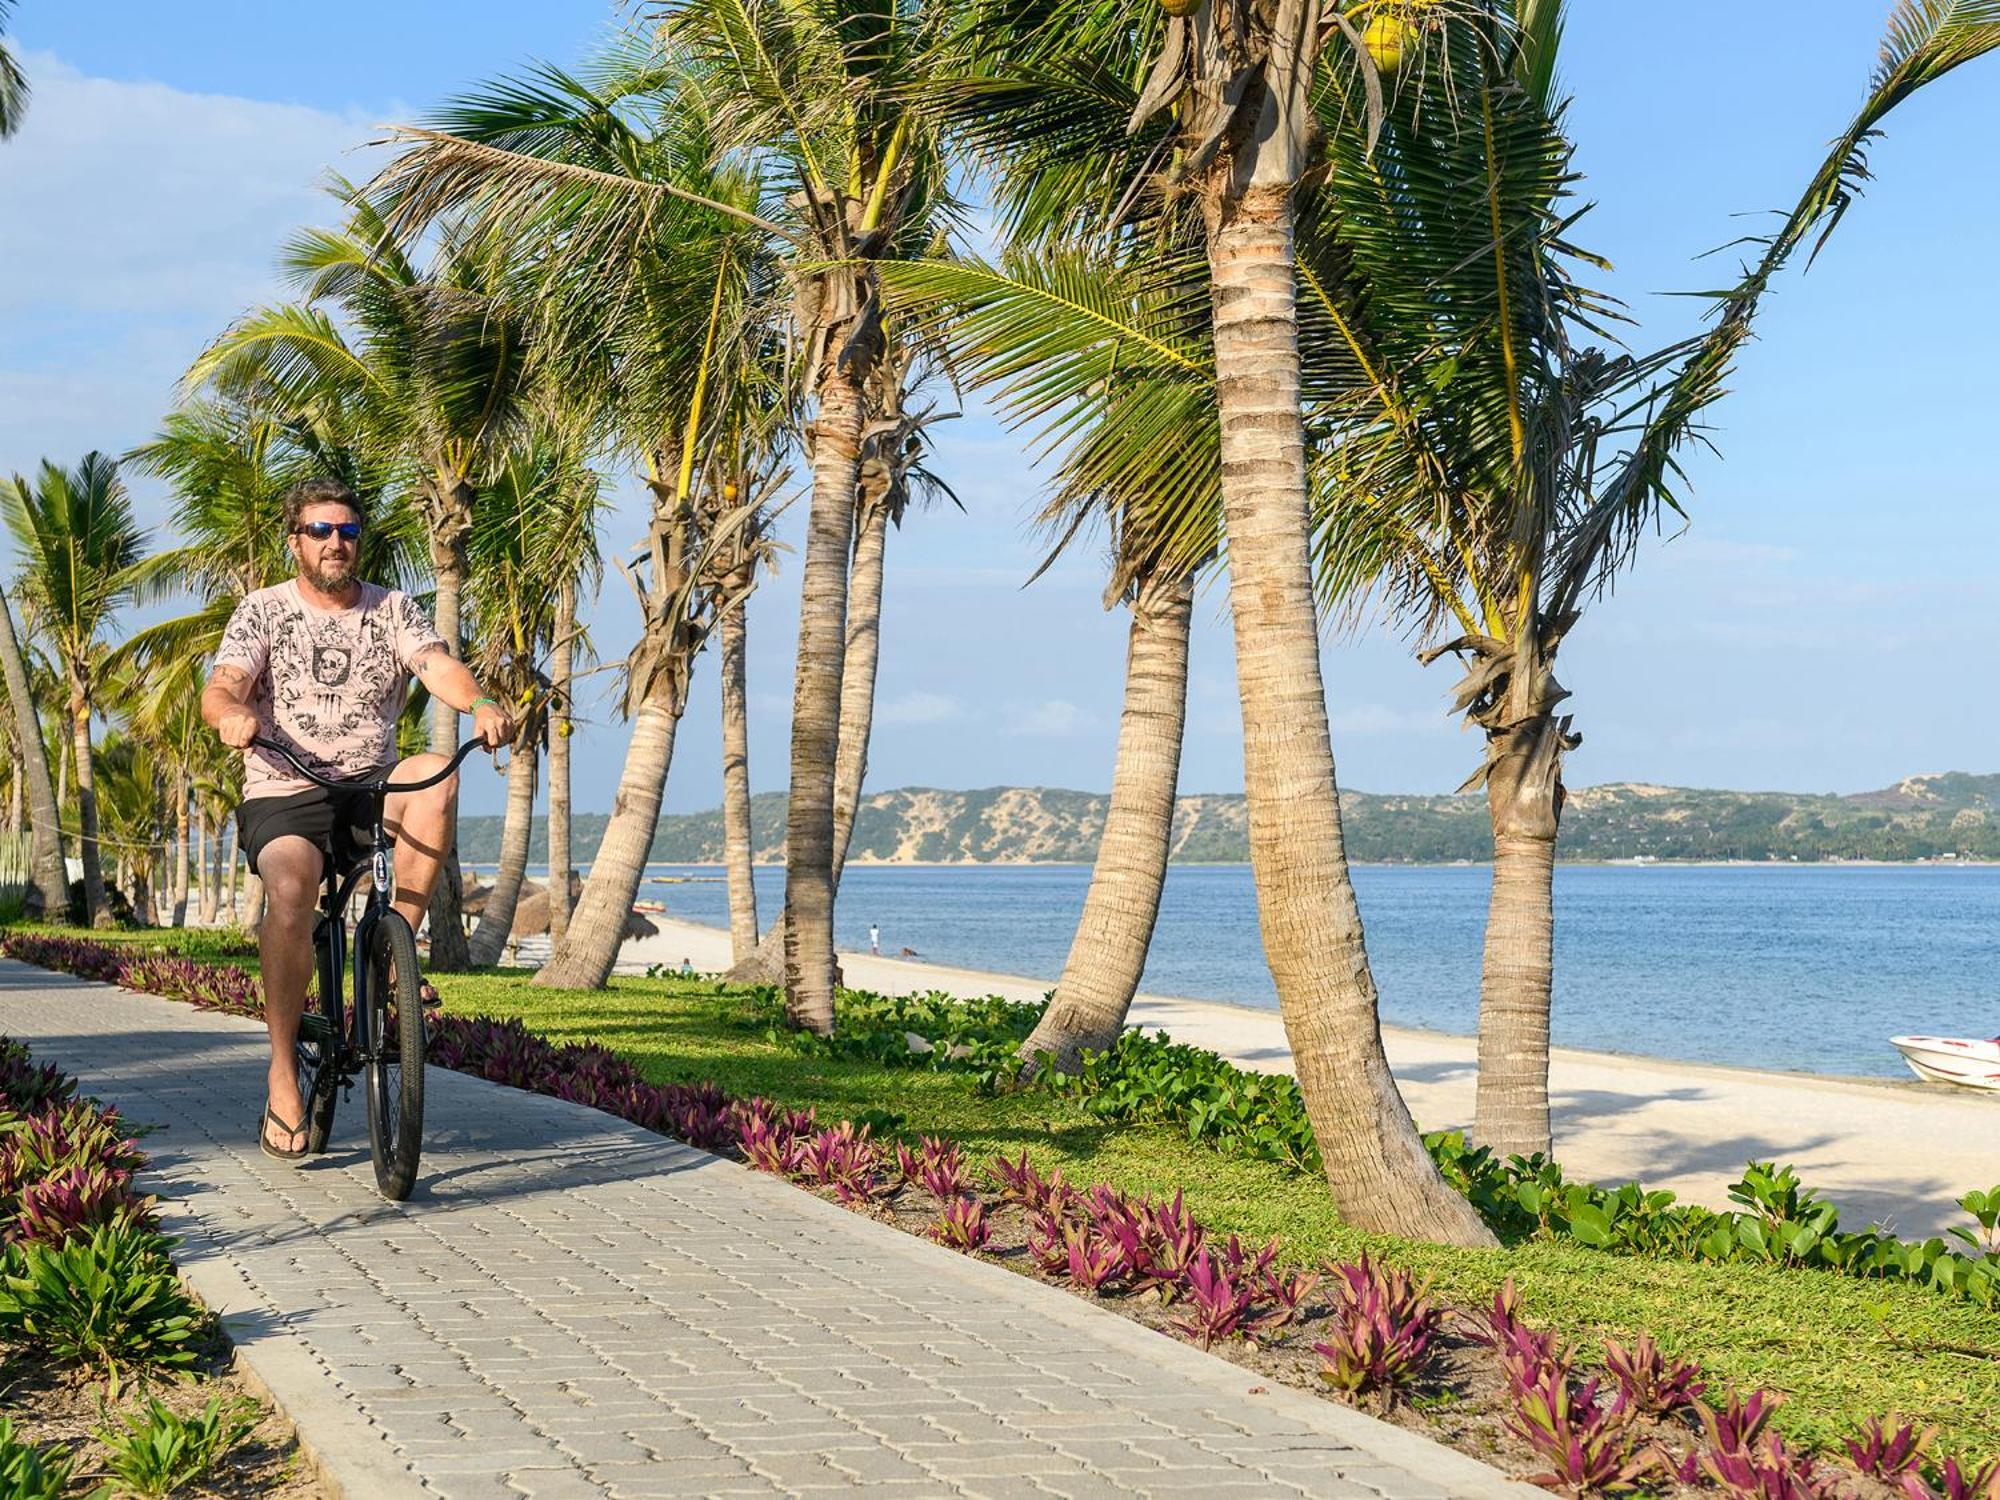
[51,882]
[1106,355]
[13,82]
[1500,472]
[534,533]
[1224,123]
[437,366]
[832,98]
[78,543]
[644,237]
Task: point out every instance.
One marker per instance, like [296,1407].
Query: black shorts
[341,824]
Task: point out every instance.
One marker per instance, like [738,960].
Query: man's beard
[328,582]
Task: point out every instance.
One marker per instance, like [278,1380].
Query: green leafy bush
[28,1472]
[110,1300]
[155,1451]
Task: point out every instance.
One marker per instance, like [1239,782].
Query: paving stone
[570,1307]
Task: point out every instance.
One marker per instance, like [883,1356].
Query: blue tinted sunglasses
[319,531]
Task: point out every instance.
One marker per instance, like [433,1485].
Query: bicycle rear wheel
[395,1056]
[318,1046]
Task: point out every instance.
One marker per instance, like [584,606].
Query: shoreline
[1687,1127]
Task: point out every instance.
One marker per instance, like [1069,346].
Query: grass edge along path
[1843,1351]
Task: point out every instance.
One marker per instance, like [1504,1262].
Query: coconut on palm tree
[76,541]
[1499,468]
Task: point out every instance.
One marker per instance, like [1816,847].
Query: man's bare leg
[290,867]
[419,821]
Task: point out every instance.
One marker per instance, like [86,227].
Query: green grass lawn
[1841,1350]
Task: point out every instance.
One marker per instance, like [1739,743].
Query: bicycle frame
[351,1049]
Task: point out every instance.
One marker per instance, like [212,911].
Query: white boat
[1948,1059]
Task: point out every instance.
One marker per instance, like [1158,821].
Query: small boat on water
[1947,1059]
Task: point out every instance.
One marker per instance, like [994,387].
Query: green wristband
[477,701]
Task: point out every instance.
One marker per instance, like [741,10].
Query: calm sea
[1804,967]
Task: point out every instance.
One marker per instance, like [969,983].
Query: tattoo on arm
[429,657]
[234,679]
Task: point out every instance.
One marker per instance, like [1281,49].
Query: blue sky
[1810,629]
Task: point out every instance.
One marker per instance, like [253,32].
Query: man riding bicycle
[321,664]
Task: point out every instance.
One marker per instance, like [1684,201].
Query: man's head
[316,510]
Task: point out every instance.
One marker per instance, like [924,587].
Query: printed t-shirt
[327,684]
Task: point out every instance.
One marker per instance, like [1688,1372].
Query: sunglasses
[319,531]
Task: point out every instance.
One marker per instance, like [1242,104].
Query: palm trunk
[857,680]
[766,964]
[816,703]
[205,903]
[230,866]
[97,909]
[1376,1165]
[737,841]
[51,880]
[180,849]
[450,518]
[597,926]
[496,923]
[1524,797]
[561,665]
[1108,953]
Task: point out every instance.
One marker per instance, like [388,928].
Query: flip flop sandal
[264,1140]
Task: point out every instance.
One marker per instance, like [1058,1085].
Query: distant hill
[1921,818]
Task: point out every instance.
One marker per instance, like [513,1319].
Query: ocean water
[1800,967]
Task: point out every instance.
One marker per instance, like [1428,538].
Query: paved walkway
[570,1306]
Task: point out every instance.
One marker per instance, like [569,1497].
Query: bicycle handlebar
[366,786]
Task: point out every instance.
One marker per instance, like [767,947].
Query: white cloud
[920,708]
[1053,718]
[135,220]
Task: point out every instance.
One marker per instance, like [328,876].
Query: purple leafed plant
[1649,1384]
[1018,1181]
[1957,1481]
[1588,1447]
[1889,1452]
[70,1134]
[1767,1470]
[1216,1304]
[1173,1242]
[940,1169]
[1737,1427]
[1286,1292]
[1046,1243]
[1092,1261]
[76,1201]
[962,1224]
[29,1088]
[1379,1338]
[839,1156]
[763,1145]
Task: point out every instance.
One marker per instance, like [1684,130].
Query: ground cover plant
[680,1056]
[91,1311]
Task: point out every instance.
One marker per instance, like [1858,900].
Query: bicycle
[386,1024]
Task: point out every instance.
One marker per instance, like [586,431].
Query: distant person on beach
[874,939]
[909,952]
[322,663]
[687,968]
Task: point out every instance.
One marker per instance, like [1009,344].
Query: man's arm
[225,706]
[445,678]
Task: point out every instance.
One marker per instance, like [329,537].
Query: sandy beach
[1900,1153]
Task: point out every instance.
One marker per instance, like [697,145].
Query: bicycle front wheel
[395,1055]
